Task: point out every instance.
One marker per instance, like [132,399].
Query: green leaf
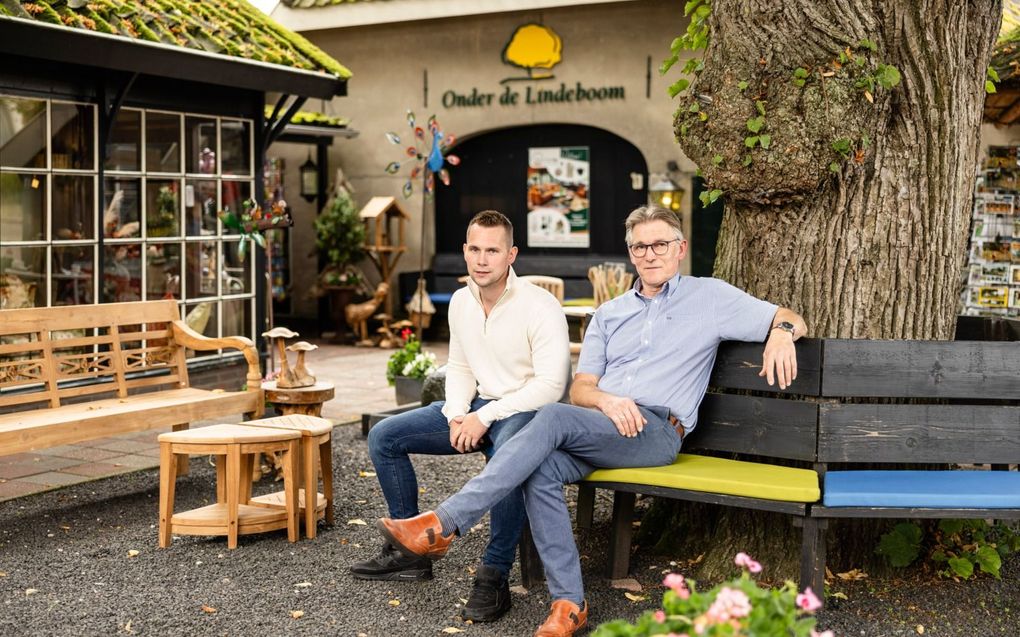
[676,87]
[842,58]
[747,160]
[951,527]
[760,105]
[842,146]
[242,248]
[962,567]
[703,11]
[717,160]
[751,141]
[691,6]
[988,559]
[742,85]
[902,545]
[704,199]
[694,107]
[676,45]
[800,73]
[765,141]
[887,76]
[668,63]
[691,66]
[989,87]
[703,117]
[867,44]
[755,124]
[992,74]
[799,83]
[713,195]
[834,166]
[939,556]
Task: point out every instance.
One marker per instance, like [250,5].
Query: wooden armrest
[187,337]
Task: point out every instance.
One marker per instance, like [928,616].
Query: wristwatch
[786,326]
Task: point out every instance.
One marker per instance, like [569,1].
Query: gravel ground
[65,568]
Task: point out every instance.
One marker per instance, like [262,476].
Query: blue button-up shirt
[659,351]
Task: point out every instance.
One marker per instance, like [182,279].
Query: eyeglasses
[659,247]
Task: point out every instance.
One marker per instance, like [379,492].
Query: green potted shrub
[340,238]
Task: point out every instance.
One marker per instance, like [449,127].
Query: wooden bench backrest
[920,401]
[53,354]
[769,422]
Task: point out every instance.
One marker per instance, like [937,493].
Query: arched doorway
[493,174]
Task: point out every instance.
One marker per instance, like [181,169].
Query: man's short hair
[493,219]
[644,214]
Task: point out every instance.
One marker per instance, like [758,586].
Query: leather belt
[677,426]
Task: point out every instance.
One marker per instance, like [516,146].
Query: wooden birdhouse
[385,222]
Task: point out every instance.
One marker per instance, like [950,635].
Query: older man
[509,355]
[643,371]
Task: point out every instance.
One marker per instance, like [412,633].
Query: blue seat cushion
[440,298]
[923,489]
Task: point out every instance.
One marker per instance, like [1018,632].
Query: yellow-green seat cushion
[581,302]
[719,475]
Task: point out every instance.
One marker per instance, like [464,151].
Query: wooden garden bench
[74,373]
[951,406]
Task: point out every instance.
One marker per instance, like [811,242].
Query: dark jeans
[426,431]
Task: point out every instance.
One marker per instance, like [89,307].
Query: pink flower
[744,560]
[827,633]
[676,582]
[808,600]
[729,603]
[660,616]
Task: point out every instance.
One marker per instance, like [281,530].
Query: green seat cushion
[719,475]
[582,302]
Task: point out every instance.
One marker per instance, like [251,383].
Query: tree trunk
[854,210]
[875,250]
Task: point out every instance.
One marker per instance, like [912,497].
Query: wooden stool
[234,447]
[316,440]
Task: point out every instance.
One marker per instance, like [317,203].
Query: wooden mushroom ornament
[302,375]
[278,335]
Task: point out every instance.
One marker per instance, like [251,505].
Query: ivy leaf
[676,45]
[760,105]
[989,561]
[902,545]
[703,117]
[842,146]
[800,73]
[765,141]
[742,85]
[992,74]
[713,195]
[887,76]
[694,107]
[750,142]
[865,43]
[989,87]
[961,567]
[834,167]
[691,6]
[717,160]
[755,124]
[950,527]
[676,87]
[747,160]
[668,63]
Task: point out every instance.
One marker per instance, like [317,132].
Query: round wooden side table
[306,401]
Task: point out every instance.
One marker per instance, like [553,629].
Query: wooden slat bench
[74,373]
[952,407]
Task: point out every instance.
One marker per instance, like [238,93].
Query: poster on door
[558,196]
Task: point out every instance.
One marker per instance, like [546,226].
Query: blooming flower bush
[409,360]
[737,608]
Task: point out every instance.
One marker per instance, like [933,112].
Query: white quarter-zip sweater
[518,356]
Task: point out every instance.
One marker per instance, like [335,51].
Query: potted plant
[340,238]
[407,368]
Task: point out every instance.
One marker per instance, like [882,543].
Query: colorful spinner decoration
[426,157]
[252,222]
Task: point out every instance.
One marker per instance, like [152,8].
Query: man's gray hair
[644,214]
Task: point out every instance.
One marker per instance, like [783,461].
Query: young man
[509,355]
[644,367]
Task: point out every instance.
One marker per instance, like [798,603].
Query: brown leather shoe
[420,536]
[564,619]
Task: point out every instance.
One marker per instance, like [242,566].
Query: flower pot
[408,390]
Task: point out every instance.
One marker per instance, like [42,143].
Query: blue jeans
[562,444]
[425,430]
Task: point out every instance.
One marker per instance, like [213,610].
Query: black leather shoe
[391,564]
[490,596]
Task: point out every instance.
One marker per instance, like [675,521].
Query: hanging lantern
[309,179]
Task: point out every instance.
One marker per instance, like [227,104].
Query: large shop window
[166,177]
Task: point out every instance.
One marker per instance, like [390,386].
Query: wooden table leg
[290,480]
[311,484]
[326,466]
[183,463]
[221,478]
[167,485]
[233,487]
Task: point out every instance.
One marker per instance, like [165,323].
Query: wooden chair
[234,447]
[609,281]
[554,285]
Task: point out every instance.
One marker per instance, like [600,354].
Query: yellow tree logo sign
[533,46]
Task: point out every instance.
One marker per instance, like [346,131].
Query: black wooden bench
[953,407]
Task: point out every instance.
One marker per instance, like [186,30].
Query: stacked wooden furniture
[316,460]
[234,514]
[89,371]
[952,408]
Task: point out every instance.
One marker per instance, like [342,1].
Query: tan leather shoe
[420,536]
[564,619]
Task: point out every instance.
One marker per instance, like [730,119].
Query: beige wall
[603,45]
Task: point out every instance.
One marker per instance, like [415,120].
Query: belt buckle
[677,426]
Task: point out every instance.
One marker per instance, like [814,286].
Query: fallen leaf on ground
[852,574]
[2,574]
[31,591]
[394,602]
[297,614]
[839,595]
[366,474]
[920,629]
[361,502]
[303,584]
[635,598]
[127,627]
[65,527]
[208,609]
[451,630]
[357,521]
[462,600]
[133,552]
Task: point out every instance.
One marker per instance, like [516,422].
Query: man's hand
[624,413]
[466,433]
[779,361]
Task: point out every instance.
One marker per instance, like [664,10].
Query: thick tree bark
[873,250]
[876,250]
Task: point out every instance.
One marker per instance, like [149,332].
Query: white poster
[558,195]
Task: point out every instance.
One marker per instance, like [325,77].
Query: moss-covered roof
[229,27]
[309,118]
[310,4]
